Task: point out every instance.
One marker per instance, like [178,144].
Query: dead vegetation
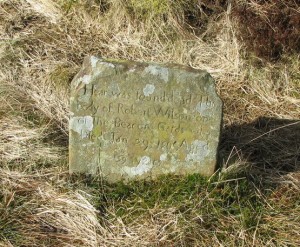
[269,28]
[250,47]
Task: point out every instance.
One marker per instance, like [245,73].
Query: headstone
[140,120]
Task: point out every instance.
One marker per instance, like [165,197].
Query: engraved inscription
[167,120]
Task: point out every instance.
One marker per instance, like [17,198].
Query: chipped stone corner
[94,60]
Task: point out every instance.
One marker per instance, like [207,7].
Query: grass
[193,210]
[194,190]
[252,200]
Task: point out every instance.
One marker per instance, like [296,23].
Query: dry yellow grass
[254,201]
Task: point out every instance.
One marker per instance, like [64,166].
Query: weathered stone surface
[138,120]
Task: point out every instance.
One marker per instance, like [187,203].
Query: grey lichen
[144,166]
[82,125]
[198,152]
[161,72]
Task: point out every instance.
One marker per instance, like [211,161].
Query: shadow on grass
[216,207]
[271,145]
